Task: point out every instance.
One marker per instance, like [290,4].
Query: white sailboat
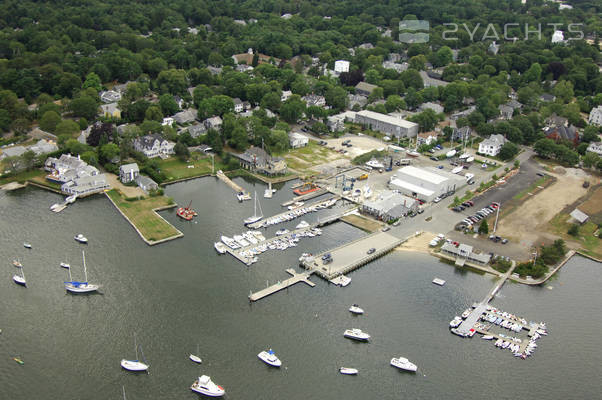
[134,365]
[196,358]
[20,278]
[80,287]
[255,217]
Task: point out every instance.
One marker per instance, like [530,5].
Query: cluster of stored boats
[238,241]
[298,212]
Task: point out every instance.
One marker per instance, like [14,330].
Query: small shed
[579,216]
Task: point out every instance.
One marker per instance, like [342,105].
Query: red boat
[186,212]
[305,189]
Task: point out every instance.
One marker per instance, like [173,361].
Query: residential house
[286,94]
[12,151]
[43,146]
[185,116]
[110,96]
[358,99]
[214,70]
[430,81]
[238,106]
[437,108]
[461,134]
[506,111]
[147,184]
[75,175]
[244,68]
[426,138]
[86,185]
[579,216]
[314,100]
[179,101]
[336,123]
[197,129]
[463,113]
[154,146]
[128,172]
[399,68]
[297,140]
[558,128]
[595,148]
[389,205]
[364,88]
[110,110]
[595,116]
[258,160]
[247,58]
[122,87]
[168,121]
[466,252]
[366,46]
[213,123]
[492,146]
[548,98]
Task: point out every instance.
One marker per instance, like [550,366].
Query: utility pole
[496,216]
[212,163]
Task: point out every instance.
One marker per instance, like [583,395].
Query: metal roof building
[425,184]
[386,124]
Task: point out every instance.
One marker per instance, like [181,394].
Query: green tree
[394,103]
[84,106]
[28,159]
[590,160]
[92,81]
[153,113]
[168,104]
[271,101]
[66,127]
[564,91]
[174,81]
[292,110]
[108,152]
[49,121]
[336,97]
[573,230]
[90,157]
[5,120]
[443,56]
[181,151]
[483,227]
[508,151]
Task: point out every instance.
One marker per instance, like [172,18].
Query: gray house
[128,172]
[364,88]
[147,184]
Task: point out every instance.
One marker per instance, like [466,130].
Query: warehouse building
[386,124]
[425,183]
[389,206]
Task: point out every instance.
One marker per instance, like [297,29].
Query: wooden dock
[304,197]
[296,278]
[221,176]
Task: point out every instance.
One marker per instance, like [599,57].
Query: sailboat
[80,287]
[195,358]
[20,279]
[134,365]
[254,218]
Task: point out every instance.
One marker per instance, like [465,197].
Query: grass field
[176,169]
[23,176]
[591,244]
[304,158]
[141,214]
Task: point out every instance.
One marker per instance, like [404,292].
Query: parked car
[436,199]
[504,241]
[540,174]
[440,166]
[471,182]
[420,211]
[432,151]
[370,251]
[434,158]
[385,228]
[470,202]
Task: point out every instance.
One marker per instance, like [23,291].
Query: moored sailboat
[134,365]
[80,287]
[255,217]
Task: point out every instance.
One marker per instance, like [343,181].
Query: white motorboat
[195,358]
[220,247]
[463,156]
[487,337]
[412,153]
[355,309]
[367,192]
[205,385]
[457,170]
[438,281]
[242,196]
[229,242]
[356,334]
[55,206]
[81,238]
[269,191]
[470,159]
[295,205]
[281,232]
[134,365]
[241,240]
[302,225]
[375,164]
[403,363]
[65,265]
[466,313]
[27,245]
[255,217]
[348,371]
[20,278]
[71,199]
[450,153]
[270,358]
[454,323]
[80,287]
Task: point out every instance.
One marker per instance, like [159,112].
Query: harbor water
[181,294]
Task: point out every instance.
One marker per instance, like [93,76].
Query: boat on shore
[356,334]
[220,247]
[205,385]
[81,238]
[450,153]
[404,363]
[348,371]
[269,358]
[412,153]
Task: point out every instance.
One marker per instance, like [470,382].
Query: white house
[595,148]
[426,138]
[128,172]
[238,105]
[286,94]
[492,146]
[595,116]
[341,66]
[314,100]
[110,96]
[153,146]
[167,121]
[558,37]
[297,140]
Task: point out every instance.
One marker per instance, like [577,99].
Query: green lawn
[141,214]
[591,244]
[176,169]
[22,177]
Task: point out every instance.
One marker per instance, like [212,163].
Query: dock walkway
[296,278]
[229,182]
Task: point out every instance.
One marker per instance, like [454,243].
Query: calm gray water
[180,294]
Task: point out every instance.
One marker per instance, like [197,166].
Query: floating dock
[221,176]
[296,278]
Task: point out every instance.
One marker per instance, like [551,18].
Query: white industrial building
[425,183]
[297,140]
[386,124]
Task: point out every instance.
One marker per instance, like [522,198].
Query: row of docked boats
[504,323]
[237,241]
[298,212]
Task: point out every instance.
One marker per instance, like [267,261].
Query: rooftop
[386,118]
[423,174]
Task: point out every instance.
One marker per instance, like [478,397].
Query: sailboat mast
[135,347]
[255,206]
[123,387]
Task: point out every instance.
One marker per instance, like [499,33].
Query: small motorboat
[454,323]
[438,281]
[281,232]
[81,238]
[27,245]
[71,199]
[269,358]
[134,365]
[302,225]
[348,371]
[403,363]
[355,309]
[220,247]
[17,263]
[196,359]
[205,386]
[356,334]
[65,265]
[466,313]
[487,337]
[20,279]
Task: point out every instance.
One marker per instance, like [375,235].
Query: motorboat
[403,363]
[196,358]
[242,196]
[241,240]
[229,242]
[27,245]
[466,313]
[296,205]
[80,287]
[470,159]
[454,323]
[205,385]
[55,206]
[65,265]
[438,281]
[355,309]
[17,263]
[348,371]
[457,170]
[302,225]
[269,191]
[375,164]
[367,192]
[281,232]
[80,238]
[412,153]
[269,358]
[356,334]
[220,247]
[450,153]
[71,199]
[487,337]
[464,156]
[134,365]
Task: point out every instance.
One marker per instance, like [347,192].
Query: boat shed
[424,183]
[389,206]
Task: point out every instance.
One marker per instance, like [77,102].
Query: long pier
[229,182]
[296,278]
